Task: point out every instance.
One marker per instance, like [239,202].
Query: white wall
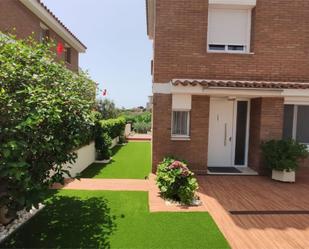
[127,130]
[85,157]
[115,141]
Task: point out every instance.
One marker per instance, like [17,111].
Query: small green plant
[176,181]
[283,155]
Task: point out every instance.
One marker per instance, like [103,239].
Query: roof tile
[241,84]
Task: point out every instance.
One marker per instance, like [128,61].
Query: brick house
[227,75]
[24,17]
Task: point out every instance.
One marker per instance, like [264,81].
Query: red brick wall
[194,151]
[14,14]
[266,122]
[281,43]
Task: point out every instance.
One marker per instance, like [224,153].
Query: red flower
[60,48]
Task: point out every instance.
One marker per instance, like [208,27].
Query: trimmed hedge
[113,127]
[107,130]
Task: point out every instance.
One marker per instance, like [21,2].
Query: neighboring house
[227,75]
[24,17]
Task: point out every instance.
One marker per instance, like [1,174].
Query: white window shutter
[182,102]
[228,26]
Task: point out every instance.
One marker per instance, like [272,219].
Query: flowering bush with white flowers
[176,181]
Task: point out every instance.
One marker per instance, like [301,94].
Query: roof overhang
[52,22]
[240,84]
[150,12]
[296,92]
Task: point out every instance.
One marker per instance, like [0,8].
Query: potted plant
[282,157]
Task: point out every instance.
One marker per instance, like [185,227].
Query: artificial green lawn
[106,219]
[131,161]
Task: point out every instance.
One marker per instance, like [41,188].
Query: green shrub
[176,181]
[106,130]
[138,117]
[141,127]
[103,144]
[46,112]
[113,127]
[283,154]
[144,117]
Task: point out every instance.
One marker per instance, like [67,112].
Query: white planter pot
[283,176]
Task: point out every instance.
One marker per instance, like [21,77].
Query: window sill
[229,52]
[180,138]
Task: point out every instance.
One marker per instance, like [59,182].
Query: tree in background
[107,108]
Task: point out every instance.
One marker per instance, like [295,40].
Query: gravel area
[22,217]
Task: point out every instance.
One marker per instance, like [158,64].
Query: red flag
[60,48]
[104,92]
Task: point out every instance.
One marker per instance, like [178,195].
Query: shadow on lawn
[96,168]
[67,222]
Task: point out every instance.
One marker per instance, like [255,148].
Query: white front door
[220,141]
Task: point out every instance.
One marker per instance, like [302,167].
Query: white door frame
[234,126]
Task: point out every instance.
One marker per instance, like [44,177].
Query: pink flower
[176,165]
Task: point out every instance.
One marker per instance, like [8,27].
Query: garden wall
[85,157]
[127,130]
[115,141]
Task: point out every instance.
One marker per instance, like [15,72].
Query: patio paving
[139,137]
[223,194]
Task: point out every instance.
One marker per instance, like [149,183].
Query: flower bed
[176,181]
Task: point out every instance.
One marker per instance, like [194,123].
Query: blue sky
[119,52]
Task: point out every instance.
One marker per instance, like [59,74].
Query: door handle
[225,134]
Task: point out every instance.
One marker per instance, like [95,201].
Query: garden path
[156,203]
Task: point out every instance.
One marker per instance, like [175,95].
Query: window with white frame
[229,30]
[295,125]
[180,123]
